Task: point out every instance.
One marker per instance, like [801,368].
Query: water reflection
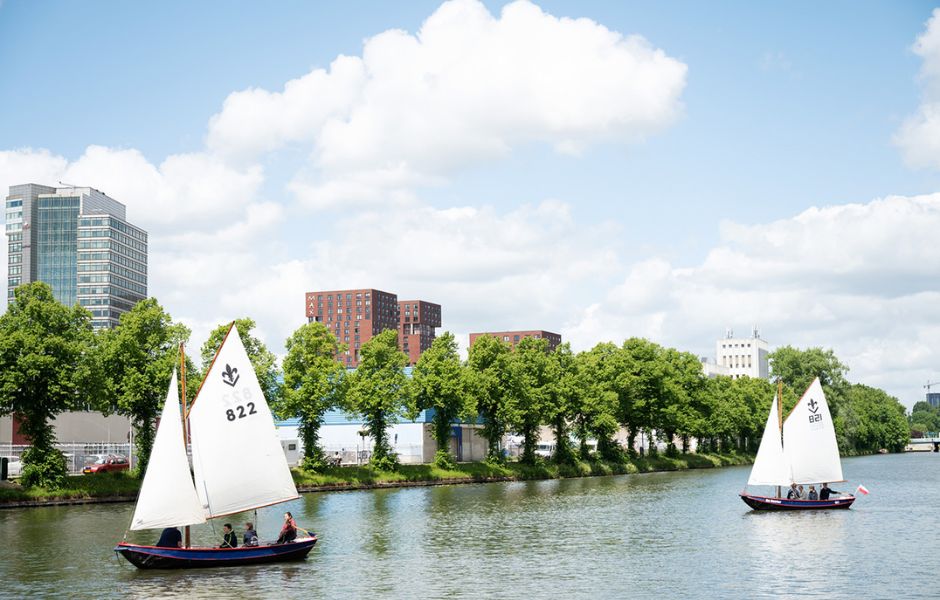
[669,534]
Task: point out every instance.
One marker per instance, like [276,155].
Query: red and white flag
[862,490]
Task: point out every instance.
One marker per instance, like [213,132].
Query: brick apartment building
[355,316]
[514,337]
[418,322]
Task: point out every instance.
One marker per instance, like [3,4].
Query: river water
[672,535]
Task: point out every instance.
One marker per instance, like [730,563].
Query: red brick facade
[514,337]
[418,321]
[353,316]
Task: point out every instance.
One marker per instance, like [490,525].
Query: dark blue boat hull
[769,503]
[153,557]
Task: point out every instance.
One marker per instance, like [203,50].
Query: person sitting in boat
[289,530]
[793,493]
[801,493]
[170,538]
[251,538]
[812,495]
[229,539]
[825,492]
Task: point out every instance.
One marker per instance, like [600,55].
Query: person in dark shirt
[170,538]
[229,539]
[251,537]
[289,530]
[825,492]
[793,494]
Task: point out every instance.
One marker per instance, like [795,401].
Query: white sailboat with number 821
[800,450]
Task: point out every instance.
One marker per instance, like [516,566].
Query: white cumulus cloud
[919,135]
[469,86]
[860,278]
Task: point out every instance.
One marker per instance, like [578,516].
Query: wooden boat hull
[153,557]
[769,503]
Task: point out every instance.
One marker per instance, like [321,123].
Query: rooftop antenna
[69,185]
[756,332]
[729,333]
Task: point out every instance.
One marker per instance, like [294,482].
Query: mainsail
[770,466]
[238,460]
[167,497]
[809,440]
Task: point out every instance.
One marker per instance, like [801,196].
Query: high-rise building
[514,337]
[78,240]
[418,323]
[743,356]
[353,316]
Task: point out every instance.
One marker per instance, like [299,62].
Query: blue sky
[780,108]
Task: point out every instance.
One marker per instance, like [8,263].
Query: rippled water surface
[671,535]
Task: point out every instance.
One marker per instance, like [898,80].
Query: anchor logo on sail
[813,406]
[230,375]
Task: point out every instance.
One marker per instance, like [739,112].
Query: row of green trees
[51,361]
[925,418]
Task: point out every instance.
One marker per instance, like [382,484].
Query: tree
[563,401]
[603,379]
[644,390]
[439,383]
[488,379]
[924,417]
[378,390]
[314,383]
[531,375]
[873,420]
[680,412]
[139,356]
[797,368]
[262,360]
[48,364]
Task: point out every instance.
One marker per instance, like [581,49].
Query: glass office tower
[79,242]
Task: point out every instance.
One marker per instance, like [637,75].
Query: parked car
[106,464]
[544,450]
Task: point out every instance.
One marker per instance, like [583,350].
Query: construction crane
[930,383]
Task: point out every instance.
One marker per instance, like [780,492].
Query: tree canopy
[48,364]
[439,384]
[262,360]
[314,382]
[139,356]
[378,390]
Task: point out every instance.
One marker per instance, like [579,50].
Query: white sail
[770,466]
[809,440]
[237,456]
[167,497]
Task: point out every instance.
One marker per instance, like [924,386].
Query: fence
[77,456]
[360,454]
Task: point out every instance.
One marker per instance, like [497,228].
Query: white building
[742,357]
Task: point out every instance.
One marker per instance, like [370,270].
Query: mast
[185,422]
[779,416]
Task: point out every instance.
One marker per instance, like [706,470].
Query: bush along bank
[123,487]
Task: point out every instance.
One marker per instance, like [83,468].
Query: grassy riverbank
[117,486]
[105,485]
[347,477]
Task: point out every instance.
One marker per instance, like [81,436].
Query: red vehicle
[106,464]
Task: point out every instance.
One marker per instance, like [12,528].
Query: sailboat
[807,454]
[238,466]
